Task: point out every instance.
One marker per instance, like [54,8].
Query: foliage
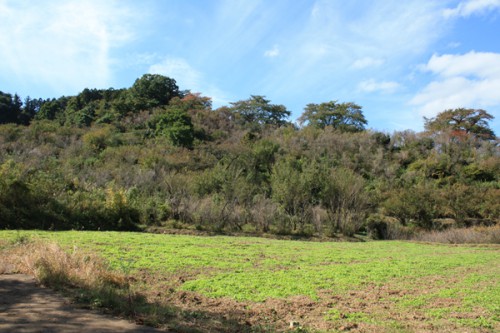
[152,90]
[295,185]
[257,110]
[243,167]
[462,121]
[346,117]
[174,124]
[10,108]
[346,201]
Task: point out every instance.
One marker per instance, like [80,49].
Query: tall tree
[10,108]
[462,121]
[259,110]
[346,117]
[152,90]
[30,109]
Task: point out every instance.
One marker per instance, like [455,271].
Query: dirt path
[27,307]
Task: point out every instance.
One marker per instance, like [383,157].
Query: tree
[192,102]
[152,90]
[462,121]
[176,125]
[10,108]
[52,109]
[346,117]
[258,110]
[345,199]
[30,109]
[296,186]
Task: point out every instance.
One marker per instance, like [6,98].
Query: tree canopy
[10,108]
[458,121]
[153,90]
[346,117]
[259,110]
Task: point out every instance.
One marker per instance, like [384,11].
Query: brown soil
[28,307]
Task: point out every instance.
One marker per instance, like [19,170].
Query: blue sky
[399,60]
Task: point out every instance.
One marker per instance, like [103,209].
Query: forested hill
[154,155]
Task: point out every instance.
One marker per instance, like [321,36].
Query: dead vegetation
[475,235]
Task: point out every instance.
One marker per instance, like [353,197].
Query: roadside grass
[372,286]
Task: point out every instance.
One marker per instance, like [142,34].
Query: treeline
[153,155]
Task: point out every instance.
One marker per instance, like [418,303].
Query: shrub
[345,200]
[98,138]
[379,226]
[417,205]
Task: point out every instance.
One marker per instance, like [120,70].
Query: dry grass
[52,266]
[88,280]
[81,276]
[477,235]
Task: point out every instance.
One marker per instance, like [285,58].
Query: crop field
[261,285]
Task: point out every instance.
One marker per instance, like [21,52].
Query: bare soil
[28,307]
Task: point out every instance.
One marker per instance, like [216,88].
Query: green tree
[259,110]
[346,117]
[175,124]
[152,90]
[462,121]
[30,109]
[345,199]
[296,186]
[10,108]
[52,109]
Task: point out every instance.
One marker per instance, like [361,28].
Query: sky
[400,60]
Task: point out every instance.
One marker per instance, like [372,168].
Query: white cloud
[468,80]
[64,45]
[478,64]
[187,77]
[366,62]
[372,85]
[272,53]
[471,7]
[180,70]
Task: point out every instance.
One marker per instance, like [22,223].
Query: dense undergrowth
[152,155]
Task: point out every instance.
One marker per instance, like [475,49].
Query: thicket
[153,155]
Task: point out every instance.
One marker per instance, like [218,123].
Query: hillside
[152,155]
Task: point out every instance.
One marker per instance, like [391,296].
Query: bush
[98,138]
[345,200]
[417,205]
[379,226]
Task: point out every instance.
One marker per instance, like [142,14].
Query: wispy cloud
[340,42]
[372,85]
[272,53]
[63,44]
[180,70]
[366,62]
[466,80]
[472,7]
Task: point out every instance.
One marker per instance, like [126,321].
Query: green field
[372,286]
